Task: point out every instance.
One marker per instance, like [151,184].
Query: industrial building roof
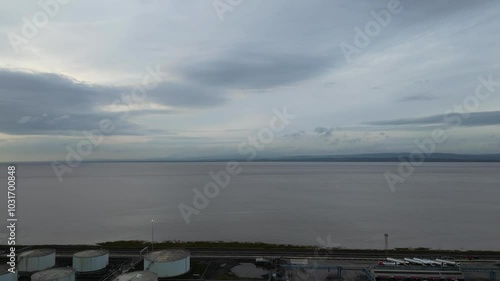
[37,253]
[167,255]
[52,274]
[137,276]
[90,253]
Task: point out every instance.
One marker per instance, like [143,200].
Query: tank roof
[137,276]
[52,274]
[37,253]
[90,253]
[167,255]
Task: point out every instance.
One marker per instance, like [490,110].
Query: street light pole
[152,234]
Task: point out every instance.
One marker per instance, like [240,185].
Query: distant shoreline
[353,158]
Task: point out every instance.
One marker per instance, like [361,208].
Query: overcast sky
[221,70]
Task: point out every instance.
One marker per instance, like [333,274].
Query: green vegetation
[198,244]
[138,244]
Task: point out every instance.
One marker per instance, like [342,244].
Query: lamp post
[152,234]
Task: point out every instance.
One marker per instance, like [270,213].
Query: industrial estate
[71,263]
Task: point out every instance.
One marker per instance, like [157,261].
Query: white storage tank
[138,276]
[55,274]
[6,275]
[36,260]
[168,263]
[91,260]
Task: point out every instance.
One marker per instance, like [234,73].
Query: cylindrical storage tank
[138,276]
[91,260]
[36,260]
[55,274]
[6,275]
[167,263]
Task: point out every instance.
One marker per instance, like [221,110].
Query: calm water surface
[443,205]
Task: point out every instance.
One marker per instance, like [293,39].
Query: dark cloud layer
[41,103]
[327,132]
[187,95]
[467,119]
[419,97]
[38,103]
[36,92]
[252,70]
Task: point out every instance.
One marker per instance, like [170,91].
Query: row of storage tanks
[165,263]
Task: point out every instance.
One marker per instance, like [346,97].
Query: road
[292,253]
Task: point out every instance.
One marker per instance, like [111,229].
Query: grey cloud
[327,132]
[253,70]
[38,103]
[32,90]
[354,141]
[69,124]
[419,97]
[322,132]
[297,135]
[472,119]
[187,95]
[422,81]
[41,103]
